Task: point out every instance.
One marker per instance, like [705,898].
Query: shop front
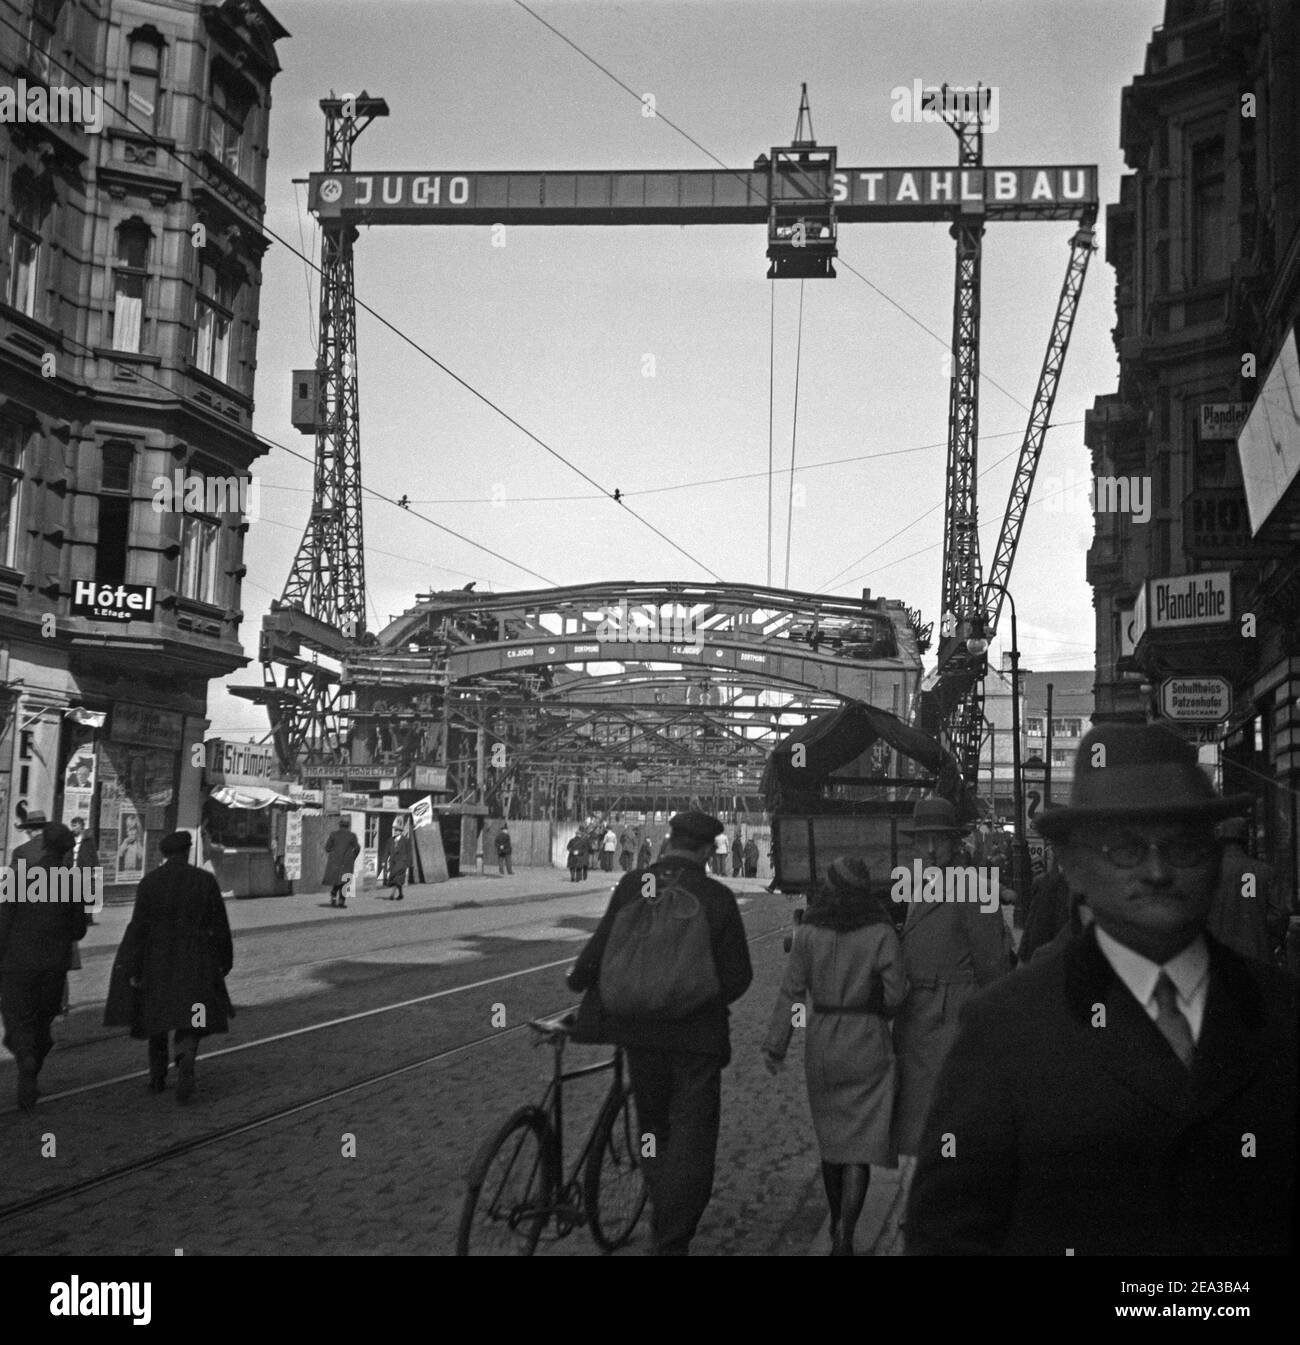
[245,812]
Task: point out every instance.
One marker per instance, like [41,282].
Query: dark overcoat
[341,851]
[1071,1134]
[178,946]
[38,936]
[399,858]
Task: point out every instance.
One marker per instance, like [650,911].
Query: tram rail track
[195,1144]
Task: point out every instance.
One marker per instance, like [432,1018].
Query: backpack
[658,959]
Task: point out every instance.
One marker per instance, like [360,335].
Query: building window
[114,514]
[130,284]
[12,436]
[1034,727]
[227,115]
[1209,218]
[43,34]
[214,315]
[1062,756]
[144,63]
[200,543]
[24,246]
[1067,728]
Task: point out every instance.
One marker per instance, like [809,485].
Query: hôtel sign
[1183,600]
[112,602]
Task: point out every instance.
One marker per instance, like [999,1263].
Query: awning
[252,797]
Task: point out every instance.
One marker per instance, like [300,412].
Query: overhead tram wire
[771,406]
[180,157]
[369,490]
[708,153]
[794,435]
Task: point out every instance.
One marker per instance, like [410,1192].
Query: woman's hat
[849,877]
[935,814]
[1132,771]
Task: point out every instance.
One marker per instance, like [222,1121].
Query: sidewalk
[878,1229]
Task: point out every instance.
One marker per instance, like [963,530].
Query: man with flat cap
[1133,1090]
[675,1063]
[169,975]
[36,938]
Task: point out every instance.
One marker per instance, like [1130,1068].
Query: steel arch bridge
[617,694]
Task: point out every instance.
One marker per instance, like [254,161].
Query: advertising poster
[130,848]
[79,786]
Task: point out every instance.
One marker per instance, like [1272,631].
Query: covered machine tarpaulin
[251,797]
[833,740]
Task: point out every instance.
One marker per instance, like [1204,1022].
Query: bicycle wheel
[510,1186]
[614,1186]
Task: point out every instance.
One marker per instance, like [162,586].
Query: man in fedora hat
[950,950]
[1132,1091]
[36,940]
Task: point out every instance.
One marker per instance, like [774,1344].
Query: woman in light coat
[846,967]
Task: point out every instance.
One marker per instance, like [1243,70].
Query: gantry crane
[802,194]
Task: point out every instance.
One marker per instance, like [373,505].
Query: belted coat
[950,950]
[178,946]
[341,851]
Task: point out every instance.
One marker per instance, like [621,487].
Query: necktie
[1177,1031]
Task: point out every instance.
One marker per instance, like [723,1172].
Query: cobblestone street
[286,1186]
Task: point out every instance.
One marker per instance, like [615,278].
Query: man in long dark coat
[36,940]
[175,955]
[341,851]
[1133,1091]
[399,861]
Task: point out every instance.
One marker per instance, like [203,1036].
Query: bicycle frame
[553,1104]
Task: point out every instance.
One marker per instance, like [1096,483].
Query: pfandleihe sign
[112,602]
[1183,600]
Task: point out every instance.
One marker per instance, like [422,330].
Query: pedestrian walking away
[341,851]
[950,950]
[504,850]
[737,856]
[676,1055]
[577,856]
[169,973]
[399,859]
[608,846]
[751,858]
[843,981]
[1132,1091]
[37,939]
[1250,909]
[645,855]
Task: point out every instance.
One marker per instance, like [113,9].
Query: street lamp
[978,644]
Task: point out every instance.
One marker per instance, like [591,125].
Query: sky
[556,326]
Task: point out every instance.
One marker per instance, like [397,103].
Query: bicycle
[516,1185]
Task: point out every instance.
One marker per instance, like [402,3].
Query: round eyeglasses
[1182,852]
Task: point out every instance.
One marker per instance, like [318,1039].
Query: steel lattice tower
[328,577]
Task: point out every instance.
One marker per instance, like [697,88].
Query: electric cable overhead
[180,156]
[794,437]
[708,153]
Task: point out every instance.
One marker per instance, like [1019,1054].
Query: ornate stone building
[1205,242]
[129,280]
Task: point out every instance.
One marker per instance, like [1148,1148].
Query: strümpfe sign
[109,602]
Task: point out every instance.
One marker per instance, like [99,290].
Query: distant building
[1205,242]
[129,276]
